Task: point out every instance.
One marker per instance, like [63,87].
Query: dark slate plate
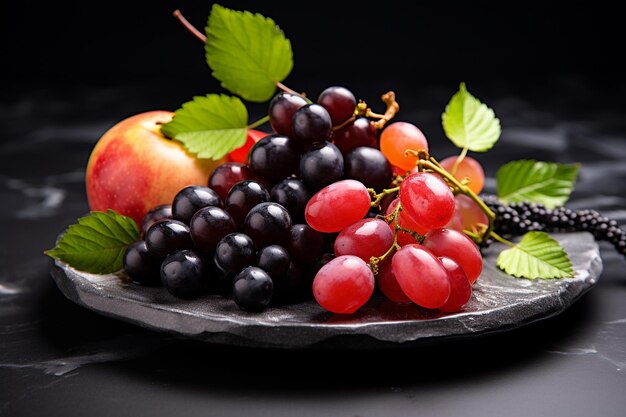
[499,302]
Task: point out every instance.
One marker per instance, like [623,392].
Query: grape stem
[190,28]
[348,121]
[259,122]
[389,98]
[378,197]
[375,260]
[427,162]
[286,89]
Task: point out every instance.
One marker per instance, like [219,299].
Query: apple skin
[134,167]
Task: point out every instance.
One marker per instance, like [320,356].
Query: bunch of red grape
[434,270]
[298,215]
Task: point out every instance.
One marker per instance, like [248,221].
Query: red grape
[471,215]
[427,199]
[460,288]
[337,206]
[406,222]
[343,285]
[388,284]
[228,174]
[458,247]
[421,276]
[365,238]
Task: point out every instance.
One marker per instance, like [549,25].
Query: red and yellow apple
[134,167]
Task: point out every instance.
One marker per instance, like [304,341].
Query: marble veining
[607,344]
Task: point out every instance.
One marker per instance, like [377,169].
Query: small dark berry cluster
[519,218]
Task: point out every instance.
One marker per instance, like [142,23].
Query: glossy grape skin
[311,123]
[427,199]
[337,206]
[305,244]
[167,236]
[343,285]
[228,174]
[155,214]
[208,226]
[183,274]
[364,238]
[396,138]
[281,110]
[421,275]
[458,247]
[141,266]
[191,199]
[274,158]
[460,288]
[240,155]
[361,132]
[320,165]
[405,221]
[467,168]
[469,214]
[268,223]
[388,284]
[243,196]
[274,259]
[369,166]
[235,251]
[252,289]
[339,102]
[292,194]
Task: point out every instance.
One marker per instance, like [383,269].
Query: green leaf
[470,124]
[547,183]
[247,52]
[96,243]
[209,126]
[537,255]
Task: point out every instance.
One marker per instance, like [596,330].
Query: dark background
[113,41]
[91,54]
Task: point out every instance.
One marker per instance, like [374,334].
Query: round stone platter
[499,302]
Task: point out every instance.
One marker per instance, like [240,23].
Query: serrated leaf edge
[565,268]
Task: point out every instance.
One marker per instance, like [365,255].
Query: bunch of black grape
[244,246]
[320,143]
[521,217]
[244,235]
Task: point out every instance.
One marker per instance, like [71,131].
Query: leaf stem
[259,122]
[460,159]
[501,239]
[190,28]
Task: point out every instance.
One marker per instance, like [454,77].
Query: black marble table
[60,359]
